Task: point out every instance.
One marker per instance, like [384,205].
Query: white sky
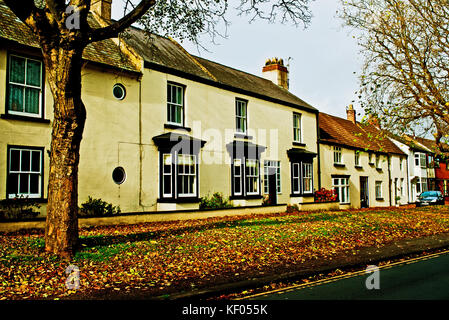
[324,56]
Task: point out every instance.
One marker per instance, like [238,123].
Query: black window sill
[298,144]
[247,197]
[23,118]
[379,169]
[300,195]
[179,200]
[359,167]
[379,199]
[339,165]
[242,136]
[174,126]
[371,163]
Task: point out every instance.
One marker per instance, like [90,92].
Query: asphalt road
[422,279]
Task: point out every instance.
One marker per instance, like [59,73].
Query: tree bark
[63,68]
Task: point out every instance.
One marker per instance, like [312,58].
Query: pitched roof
[169,56]
[408,141]
[335,130]
[103,52]
[432,145]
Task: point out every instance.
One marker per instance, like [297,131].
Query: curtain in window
[33,73]
[17,70]
[31,100]
[15,98]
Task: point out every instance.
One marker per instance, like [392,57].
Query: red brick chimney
[350,114]
[275,71]
[102,8]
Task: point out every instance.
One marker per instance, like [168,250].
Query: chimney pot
[275,71]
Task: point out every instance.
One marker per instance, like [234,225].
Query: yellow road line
[343,276]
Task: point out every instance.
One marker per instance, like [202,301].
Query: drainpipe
[140,141]
[318,148]
[389,179]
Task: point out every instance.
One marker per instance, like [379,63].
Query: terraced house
[361,163]
[164,128]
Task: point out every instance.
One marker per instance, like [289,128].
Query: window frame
[303,177]
[276,164]
[240,102]
[343,187]
[337,151]
[378,187]
[357,158]
[40,194]
[171,104]
[255,175]
[23,114]
[297,127]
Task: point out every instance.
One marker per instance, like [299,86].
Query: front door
[364,193]
[272,188]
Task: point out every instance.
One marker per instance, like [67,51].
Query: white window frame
[297,127]
[307,173]
[342,187]
[378,163]
[186,175]
[164,174]
[424,185]
[171,104]
[296,176]
[21,172]
[24,86]
[422,160]
[338,155]
[357,158]
[252,175]
[238,163]
[276,165]
[378,192]
[239,104]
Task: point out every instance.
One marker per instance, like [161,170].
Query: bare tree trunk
[64,77]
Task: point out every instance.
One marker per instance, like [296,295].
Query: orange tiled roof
[335,130]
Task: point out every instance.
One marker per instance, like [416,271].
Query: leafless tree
[405,46]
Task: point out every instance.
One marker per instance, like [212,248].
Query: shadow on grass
[107,240]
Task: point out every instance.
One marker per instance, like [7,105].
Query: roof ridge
[193,59]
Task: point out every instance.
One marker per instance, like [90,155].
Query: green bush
[217,201]
[19,208]
[97,208]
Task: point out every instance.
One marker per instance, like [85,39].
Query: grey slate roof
[168,55]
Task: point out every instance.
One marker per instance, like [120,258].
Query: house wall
[329,170]
[110,136]
[399,175]
[210,114]
[119,133]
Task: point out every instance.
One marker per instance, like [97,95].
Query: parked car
[430,197]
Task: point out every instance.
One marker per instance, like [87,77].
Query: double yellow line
[343,276]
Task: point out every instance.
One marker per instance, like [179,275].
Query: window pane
[36,161]
[14,161]
[34,183]
[32,100]
[17,70]
[26,160]
[178,118]
[13,183]
[23,183]
[33,73]
[15,98]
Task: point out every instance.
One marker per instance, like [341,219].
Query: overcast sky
[324,56]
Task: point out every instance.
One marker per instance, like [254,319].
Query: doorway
[364,192]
